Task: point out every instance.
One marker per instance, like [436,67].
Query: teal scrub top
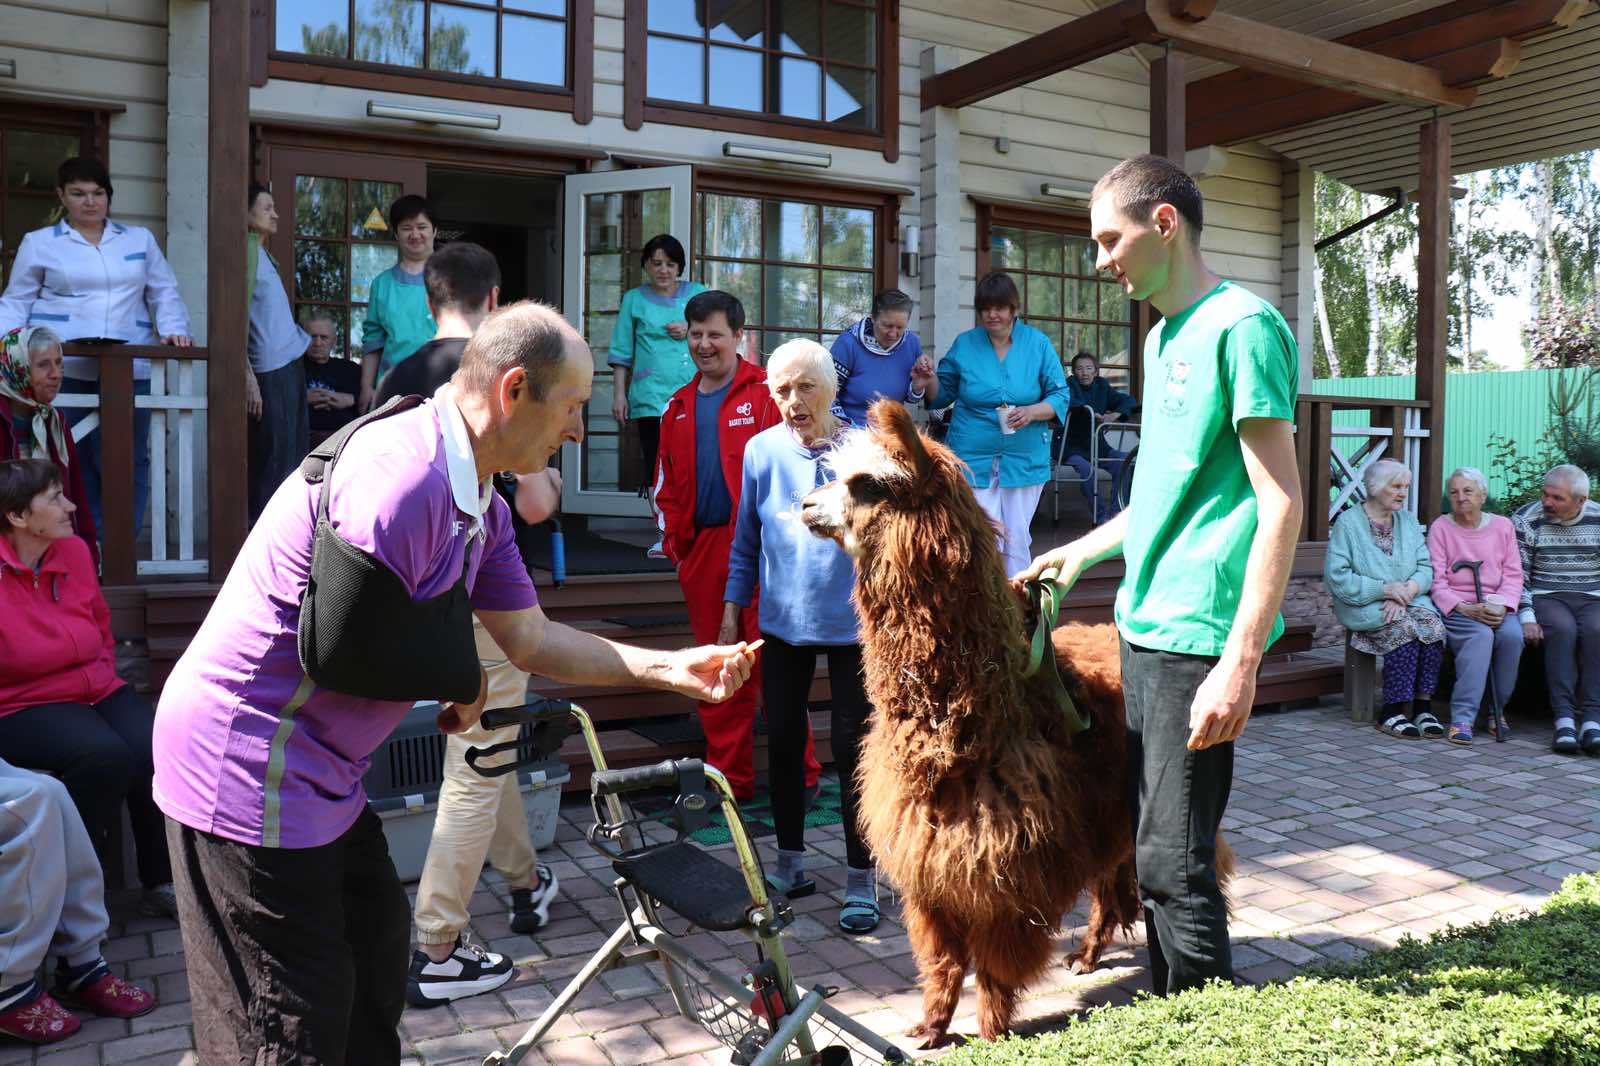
[661,366]
[972,378]
[397,317]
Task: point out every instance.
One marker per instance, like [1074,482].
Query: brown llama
[981,807]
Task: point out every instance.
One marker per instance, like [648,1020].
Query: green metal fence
[1511,403]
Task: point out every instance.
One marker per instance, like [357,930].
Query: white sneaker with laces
[470,970]
[656,551]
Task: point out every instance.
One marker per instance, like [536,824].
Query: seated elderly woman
[30,379]
[805,612]
[63,709]
[1477,578]
[1379,573]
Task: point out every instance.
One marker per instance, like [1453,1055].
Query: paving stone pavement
[1347,840]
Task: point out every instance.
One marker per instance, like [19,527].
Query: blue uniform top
[868,371]
[972,378]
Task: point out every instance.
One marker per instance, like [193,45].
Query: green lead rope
[1045,597]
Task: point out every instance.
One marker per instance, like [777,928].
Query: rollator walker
[759,1015]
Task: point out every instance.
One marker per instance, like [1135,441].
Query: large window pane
[313,27]
[1080,301]
[32,158]
[389,31]
[741,279]
[605,283]
[740,24]
[1052,329]
[847,236]
[735,79]
[1044,251]
[791,231]
[655,213]
[675,16]
[1082,253]
[675,71]
[370,203]
[732,227]
[367,261]
[1006,248]
[319,206]
[799,26]
[1114,303]
[603,222]
[848,96]
[852,35]
[319,270]
[791,298]
[542,7]
[1043,296]
[846,297]
[461,40]
[799,88]
[533,49]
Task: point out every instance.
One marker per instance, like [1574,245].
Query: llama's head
[901,500]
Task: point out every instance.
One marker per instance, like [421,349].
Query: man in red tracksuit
[704,429]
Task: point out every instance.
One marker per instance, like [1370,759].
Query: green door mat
[757,815]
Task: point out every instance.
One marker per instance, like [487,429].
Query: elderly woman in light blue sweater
[1378,571]
[805,611]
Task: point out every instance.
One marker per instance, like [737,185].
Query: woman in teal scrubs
[649,348]
[1006,382]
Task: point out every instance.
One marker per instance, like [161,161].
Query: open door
[609,217]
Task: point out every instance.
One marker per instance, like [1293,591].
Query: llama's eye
[866,490]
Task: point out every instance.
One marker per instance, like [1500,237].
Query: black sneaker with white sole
[469,971]
[530,907]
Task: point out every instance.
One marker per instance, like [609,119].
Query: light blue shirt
[972,378]
[122,287]
[805,580]
[276,339]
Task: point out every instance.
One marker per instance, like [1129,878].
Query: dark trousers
[295,955]
[786,671]
[282,435]
[1178,797]
[89,452]
[649,445]
[102,754]
[1571,623]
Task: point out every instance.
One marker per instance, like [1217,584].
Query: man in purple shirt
[295,925]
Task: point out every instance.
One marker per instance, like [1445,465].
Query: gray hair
[320,314]
[1573,477]
[1381,474]
[1472,476]
[42,339]
[807,358]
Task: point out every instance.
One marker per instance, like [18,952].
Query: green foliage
[1508,991]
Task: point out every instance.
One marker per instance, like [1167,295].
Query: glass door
[609,217]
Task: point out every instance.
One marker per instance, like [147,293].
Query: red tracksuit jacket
[55,645]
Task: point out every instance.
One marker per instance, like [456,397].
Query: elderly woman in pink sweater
[1477,577]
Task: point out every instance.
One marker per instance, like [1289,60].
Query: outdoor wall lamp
[777,155]
[435,115]
[1078,198]
[910,240]
[8,68]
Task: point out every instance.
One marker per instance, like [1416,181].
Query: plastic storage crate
[403,788]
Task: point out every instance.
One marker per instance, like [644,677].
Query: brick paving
[1347,841]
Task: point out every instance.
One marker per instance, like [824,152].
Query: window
[1063,295]
[752,65]
[341,243]
[30,152]
[529,53]
[801,267]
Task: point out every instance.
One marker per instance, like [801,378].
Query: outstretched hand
[713,673]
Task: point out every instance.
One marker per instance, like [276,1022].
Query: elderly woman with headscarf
[805,611]
[30,378]
[1379,572]
[1478,577]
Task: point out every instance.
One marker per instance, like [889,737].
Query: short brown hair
[1144,181]
[23,479]
[996,289]
[528,334]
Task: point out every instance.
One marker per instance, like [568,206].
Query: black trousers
[295,955]
[786,671]
[102,754]
[282,436]
[1178,796]
[649,445]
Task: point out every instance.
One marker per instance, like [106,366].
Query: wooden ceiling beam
[1472,65]
[1269,49]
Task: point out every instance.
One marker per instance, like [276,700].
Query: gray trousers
[52,895]
[1571,622]
[1486,662]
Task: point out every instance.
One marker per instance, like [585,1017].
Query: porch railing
[178,467]
[1335,445]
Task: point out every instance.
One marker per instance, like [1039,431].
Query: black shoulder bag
[360,631]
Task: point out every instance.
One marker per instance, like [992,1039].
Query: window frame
[577,98]
[885,250]
[638,108]
[1068,224]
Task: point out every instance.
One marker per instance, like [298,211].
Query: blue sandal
[798,890]
[859,917]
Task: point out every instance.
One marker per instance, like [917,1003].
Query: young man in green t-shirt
[1208,539]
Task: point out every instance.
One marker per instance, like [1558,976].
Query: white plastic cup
[1000,413]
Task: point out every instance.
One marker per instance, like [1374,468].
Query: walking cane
[1475,565]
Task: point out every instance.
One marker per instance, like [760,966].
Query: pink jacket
[1494,544]
[55,637]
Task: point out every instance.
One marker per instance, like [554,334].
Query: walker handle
[663,774]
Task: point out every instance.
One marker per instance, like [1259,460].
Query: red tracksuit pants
[728,726]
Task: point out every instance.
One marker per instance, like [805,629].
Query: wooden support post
[1433,307]
[116,471]
[228,162]
[1168,101]
[1319,492]
[1303,456]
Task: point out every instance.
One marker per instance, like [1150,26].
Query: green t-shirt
[397,319]
[1192,515]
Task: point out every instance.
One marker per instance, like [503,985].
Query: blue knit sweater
[805,580]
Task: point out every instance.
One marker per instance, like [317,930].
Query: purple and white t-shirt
[246,746]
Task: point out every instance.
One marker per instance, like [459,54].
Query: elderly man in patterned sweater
[1560,541]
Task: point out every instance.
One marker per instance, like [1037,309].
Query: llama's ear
[891,424]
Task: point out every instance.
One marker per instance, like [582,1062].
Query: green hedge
[1511,990]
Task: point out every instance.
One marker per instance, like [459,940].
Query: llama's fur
[981,807]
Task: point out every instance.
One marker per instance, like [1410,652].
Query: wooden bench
[1360,682]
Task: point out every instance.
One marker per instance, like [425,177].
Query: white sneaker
[469,971]
[530,907]
[656,551]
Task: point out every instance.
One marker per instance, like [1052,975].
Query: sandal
[797,890]
[859,917]
[1565,741]
[1429,726]
[1398,725]
[1461,734]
